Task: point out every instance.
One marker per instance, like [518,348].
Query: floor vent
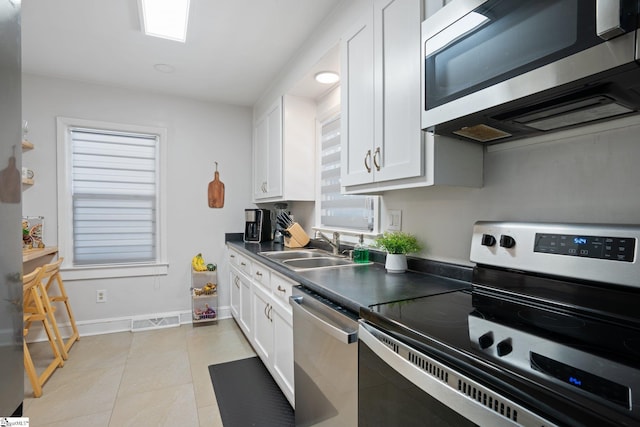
[155,323]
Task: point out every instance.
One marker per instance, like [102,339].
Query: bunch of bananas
[198,264]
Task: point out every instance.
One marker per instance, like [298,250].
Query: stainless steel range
[549,334]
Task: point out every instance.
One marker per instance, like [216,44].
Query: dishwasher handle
[327,319]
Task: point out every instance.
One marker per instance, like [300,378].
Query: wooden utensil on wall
[216,191]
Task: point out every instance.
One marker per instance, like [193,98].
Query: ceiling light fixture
[165,18]
[327,77]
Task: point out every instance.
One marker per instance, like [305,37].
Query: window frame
[347,235]
[65,203]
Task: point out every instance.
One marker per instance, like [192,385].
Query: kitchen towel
[247,395]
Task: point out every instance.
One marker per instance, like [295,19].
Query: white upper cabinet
[380,62]
[284,151]
[356,91]
[267,154]
[398,138]
[383,146]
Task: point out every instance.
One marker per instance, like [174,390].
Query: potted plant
[397,244]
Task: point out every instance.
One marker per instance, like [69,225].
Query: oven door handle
[325,318]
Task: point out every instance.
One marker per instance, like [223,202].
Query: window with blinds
[337,210]
[114,196]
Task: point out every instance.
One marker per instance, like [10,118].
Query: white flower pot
[396,263]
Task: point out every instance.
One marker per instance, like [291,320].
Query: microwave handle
[614,17]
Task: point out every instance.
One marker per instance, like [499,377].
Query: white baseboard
[115,324]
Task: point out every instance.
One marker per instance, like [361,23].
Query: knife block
[298,238]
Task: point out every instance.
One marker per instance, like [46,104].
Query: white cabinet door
[283,349]
[398,147]
[245,306]
[260,153]
[274,157]
[263,323]
[235,294]
[267,154]
[356,93]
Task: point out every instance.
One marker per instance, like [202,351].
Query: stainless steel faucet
[335,242]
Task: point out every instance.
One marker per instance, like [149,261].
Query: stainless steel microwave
[497,70]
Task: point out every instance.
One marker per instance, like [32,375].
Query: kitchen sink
[318,262]
[293,254]
[308,259]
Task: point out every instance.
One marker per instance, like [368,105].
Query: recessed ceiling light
[165,18]
[327,77]
[164,68]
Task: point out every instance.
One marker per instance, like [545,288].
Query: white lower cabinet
[260,306]
[235,293]
[262,327]
[245,319]
[283,348]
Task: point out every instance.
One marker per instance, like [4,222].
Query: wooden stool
[51,275]
[34,311]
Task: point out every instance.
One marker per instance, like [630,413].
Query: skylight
[165,18]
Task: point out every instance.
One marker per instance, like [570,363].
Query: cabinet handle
[366,165]
[243,264]
[235,281]
[258,274]
[232,256]
[281,289]
[375,157]
[269,313]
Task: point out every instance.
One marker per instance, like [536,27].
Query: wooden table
[33,258]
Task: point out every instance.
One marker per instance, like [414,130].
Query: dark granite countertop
[359,286]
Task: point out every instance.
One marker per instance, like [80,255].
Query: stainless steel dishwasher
[325,352]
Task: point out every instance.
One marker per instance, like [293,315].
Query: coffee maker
[257,225]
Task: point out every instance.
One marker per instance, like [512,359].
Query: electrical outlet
[394,219]
[101,296]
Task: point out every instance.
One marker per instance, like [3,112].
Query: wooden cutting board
[216,191]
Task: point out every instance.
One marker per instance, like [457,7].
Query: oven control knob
[507,241]
[486,340]
[488,240]
[504,347]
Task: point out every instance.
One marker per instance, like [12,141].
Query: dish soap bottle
[360,252]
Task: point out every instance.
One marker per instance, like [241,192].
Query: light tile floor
[149,378]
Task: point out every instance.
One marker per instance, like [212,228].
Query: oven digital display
[583,380]
[610,248]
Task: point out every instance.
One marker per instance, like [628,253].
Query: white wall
[199,134]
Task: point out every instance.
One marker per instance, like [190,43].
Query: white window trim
[346,235]
[65,229]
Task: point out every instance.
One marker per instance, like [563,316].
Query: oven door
[400,386]
[482,53]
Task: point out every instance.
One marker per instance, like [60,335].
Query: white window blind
[339,210]
[114,197]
